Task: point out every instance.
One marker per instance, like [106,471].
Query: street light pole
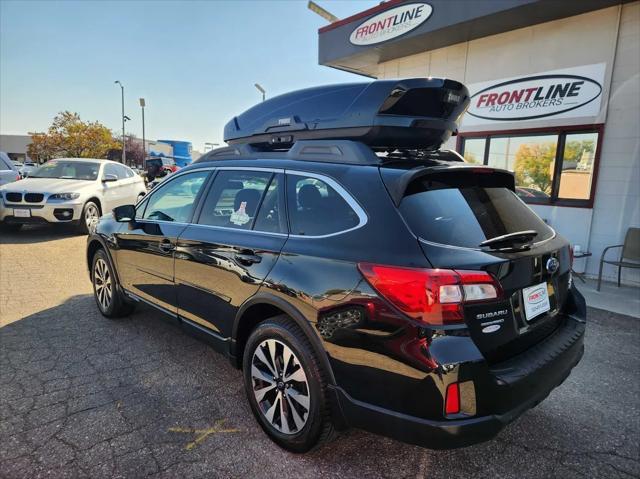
[124,150]
[144,144]
[260,89]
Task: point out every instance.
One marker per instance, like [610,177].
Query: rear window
[466,214]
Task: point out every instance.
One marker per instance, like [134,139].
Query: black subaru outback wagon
[358,275]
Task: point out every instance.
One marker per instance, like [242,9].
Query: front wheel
[111,302]
[90,216]
[286,386]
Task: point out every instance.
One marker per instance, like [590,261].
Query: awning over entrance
[399,28]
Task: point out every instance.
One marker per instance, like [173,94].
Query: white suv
[69,190]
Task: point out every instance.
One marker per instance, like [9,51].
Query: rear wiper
[519,239]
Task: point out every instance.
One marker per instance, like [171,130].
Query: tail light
[433,296]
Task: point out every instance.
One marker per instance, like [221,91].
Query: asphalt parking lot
[83,396]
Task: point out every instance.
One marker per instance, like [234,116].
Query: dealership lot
[82,396]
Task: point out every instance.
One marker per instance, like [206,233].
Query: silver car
[8,171]
[69,190]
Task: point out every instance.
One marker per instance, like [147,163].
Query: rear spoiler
[398,180]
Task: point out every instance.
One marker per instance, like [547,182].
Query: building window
[550,167]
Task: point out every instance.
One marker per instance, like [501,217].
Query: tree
[135,150]
[69,136]
[471,158]
[533,165]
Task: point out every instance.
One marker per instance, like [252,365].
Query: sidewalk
[622,300]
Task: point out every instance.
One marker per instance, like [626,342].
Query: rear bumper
[517,385]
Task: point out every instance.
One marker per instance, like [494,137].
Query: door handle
[166,246]
[247,258]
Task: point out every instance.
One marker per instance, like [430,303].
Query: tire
[109,299]
[300,432]
[90,213]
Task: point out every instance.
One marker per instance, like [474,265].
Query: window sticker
[240,217]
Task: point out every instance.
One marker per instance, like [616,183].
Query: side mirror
[124,213]
[109,178]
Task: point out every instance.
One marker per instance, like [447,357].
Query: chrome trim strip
[150,303]
[362,215]
[249,168]
[204,329]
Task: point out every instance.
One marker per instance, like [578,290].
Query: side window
[111,169]
[234,199]
[317,209]
[271,217]
[122,172]
[175,200]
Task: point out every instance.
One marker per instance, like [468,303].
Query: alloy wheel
[91,216]
[280,386]
[103,284]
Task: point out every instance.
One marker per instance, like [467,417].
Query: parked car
[357,275]
[27,168]
[158,167]
[69,190]
[8,172]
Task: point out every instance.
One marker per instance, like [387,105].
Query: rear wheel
[286,386]
[111,302]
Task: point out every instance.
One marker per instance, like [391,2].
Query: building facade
[15,146]
[555,97]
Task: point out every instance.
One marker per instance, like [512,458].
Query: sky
[194,62]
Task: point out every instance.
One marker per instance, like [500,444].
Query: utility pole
[124,149]
[144,144]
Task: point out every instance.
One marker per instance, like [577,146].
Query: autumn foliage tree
[533,165]
[69,136]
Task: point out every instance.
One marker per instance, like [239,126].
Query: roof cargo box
[411,113]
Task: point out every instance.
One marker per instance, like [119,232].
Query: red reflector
[452,402]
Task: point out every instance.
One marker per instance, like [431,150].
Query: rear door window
[112,169]
[457,212]
[234,199]
[316,208]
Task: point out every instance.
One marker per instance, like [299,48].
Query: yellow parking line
[202,434]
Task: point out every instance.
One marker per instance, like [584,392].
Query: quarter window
[555,167]
[175,200]
[317,209]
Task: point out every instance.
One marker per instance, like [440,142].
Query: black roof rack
[330,151]
[419,113]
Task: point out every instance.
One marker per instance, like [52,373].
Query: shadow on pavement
[38,234]
[81,395]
